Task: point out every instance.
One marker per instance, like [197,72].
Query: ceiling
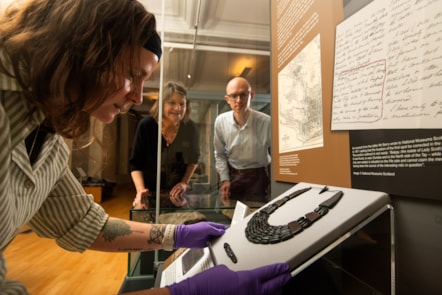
[207,42]
[213,41]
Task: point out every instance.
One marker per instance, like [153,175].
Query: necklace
[169,133]
[259,231]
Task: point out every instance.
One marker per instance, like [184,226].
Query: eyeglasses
[242,96]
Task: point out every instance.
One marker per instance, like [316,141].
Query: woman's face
[131,91]
[174,108]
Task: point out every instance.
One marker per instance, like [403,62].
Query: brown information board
[303,42]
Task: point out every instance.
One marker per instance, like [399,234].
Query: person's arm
[188,174]
[191,158]
[221,161]
[177,192]
[137,179]
[181,186]
[143,157]
[264,280]
[192,154]
[156,291]
[120,235]
[225,193]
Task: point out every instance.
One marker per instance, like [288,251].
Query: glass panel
[142,264]
[220,41]
[205,44]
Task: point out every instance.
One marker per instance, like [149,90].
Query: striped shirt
[44,195]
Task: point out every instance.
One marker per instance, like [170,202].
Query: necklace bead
[259,231]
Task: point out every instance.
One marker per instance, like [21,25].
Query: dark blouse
[182,151]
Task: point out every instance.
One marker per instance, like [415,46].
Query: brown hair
[170,88]
[65,53]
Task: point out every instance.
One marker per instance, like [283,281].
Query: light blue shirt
[242,147]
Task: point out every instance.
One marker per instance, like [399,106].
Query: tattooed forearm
[135,249]
[114,229]
[156,234]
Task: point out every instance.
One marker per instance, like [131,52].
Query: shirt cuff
[169,237]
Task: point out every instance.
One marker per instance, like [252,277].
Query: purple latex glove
[196,235]
[219,280]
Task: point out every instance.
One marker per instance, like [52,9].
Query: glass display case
[142,266]
[359,262]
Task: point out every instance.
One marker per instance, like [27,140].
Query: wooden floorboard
[47,269]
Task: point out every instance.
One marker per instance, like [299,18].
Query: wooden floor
[47,269]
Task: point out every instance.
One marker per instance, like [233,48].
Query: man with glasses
[242,143]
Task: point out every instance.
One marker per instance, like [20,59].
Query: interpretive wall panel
[303,41]
[387,91]
[388,67]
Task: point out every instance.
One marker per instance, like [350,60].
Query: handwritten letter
[388,67]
